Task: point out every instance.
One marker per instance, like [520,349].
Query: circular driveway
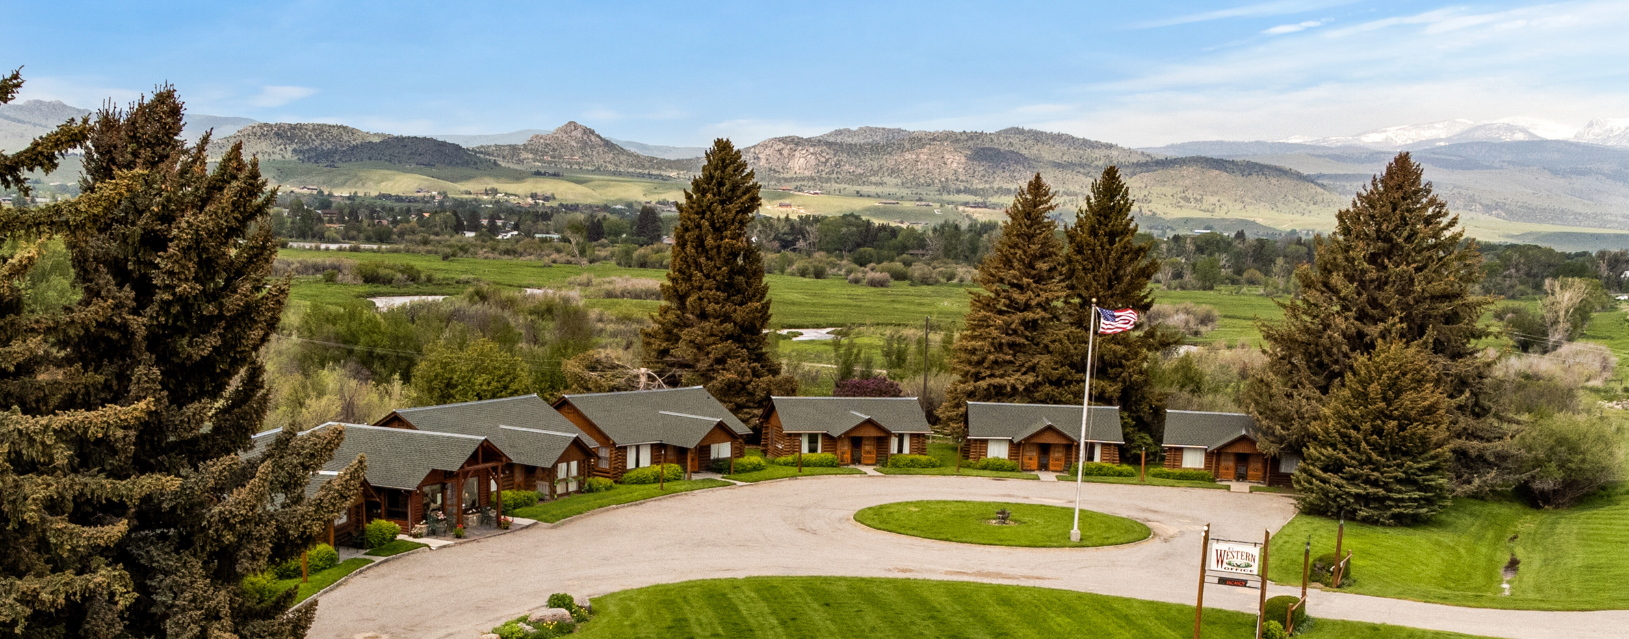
[805,527]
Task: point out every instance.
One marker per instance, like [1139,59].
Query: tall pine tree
[1376,454]
[1104,260]
[1000,355]
[162,390]
[648,227]
[710,327]
[1396,268]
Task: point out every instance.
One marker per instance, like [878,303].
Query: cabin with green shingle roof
[1223,444]
[635,429]
[548,453]
[859,430]
[1042,437]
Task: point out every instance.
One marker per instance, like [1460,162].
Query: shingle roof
[1210,430]
[989,420]
[637,417]
[836,415]
[397,457]
[525,428]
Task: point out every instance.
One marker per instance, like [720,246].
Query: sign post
[1340,536]
[1199,606]
[1261,612]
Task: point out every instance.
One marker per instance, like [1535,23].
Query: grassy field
[580,503]
[318,581]
[861,608]
[968,522]
[782,472]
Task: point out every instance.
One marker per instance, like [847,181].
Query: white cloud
[276,96]
[1258,10]
[1292,28]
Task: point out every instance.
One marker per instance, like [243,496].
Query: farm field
[864,608]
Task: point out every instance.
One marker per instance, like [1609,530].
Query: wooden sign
[1234,557]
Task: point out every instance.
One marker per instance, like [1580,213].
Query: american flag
[1112,322]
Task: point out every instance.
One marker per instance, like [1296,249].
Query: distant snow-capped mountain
[1458,131]
[1608,132]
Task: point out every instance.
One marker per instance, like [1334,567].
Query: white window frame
[990,448]
[810,441]
[721,453]
[638,456]
[1097,453]
[1288,463]
[1193,458]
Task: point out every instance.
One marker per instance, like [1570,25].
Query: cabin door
[1031,455]
[1241,465]
[845,453]
[1257,468]
[1058,461]
[1225,466]
[868,451]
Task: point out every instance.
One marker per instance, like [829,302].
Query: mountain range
[21,122]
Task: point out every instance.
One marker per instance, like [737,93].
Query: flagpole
[1085,418]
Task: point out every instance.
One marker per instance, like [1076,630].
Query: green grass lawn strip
[322,579]
[951,470]
[1150,481]
[967,522]
[869,608]
[782,472]
[559,509]
[396,547]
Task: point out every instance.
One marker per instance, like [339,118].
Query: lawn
[1150,481]
[867,608]
[1572,559]
[396,547]
[947,454]
[323,579]
[968,522]
[578,504]
[782,472]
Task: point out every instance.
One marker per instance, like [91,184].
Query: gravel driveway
[805,527]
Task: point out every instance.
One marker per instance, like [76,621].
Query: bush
[1273,630]
[812,460]
[912,461]
[1323,571]
[1189,318]
[1097,469]
[379,532]
[1564,458]
[516,629]
[1277,606]
[857,277]
[1182,474]
[653,474]
[878,280]
[996,463]
[874,387]
[896,272]
[598,485]
[924,275]
[742,465]
[262,587]
[516,499]
[317,559]
[568,603]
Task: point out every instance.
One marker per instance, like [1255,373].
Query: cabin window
[1288,463]
[811,443]
[566,471]
[344,516]
[1097,453]
[997,448]
[433,498]
[638,456]
[721,451]
[1193,458]
[396,505]
[472,494]
[604,457]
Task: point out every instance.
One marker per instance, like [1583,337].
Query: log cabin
[1041,436]
[860,430]
[635,429]
[411,475]
[1223,444]
[548,453]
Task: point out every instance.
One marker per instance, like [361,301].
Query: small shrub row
[742,465]
[813,460]
[516,499]
[1098,469]
[997,463]
[653,474]
[912,461]
[319,558]
[598,485]
[1181,474]
[379,532]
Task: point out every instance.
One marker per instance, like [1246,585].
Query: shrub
[379,532]
[653,474]
[1278,606]
[912,461]
[857,277]
[516,499]
[996,463]
[317,559]
[1190,318]
[878,280]
[1565,458]
[562,600]
[1323,571]
[742,465]
[874,387]
[598,485]
[812,460]
[1182,474]
[896,272]
[517,629]
[923,275]
[262,587]
[1097,469]
[1273,630]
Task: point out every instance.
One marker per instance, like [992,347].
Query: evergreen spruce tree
[648,226]
[595,230]
[1396,268]
[1000,355]
[140,410]
[1104,260]
[710,327]
[1377,453]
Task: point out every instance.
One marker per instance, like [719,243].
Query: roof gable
[1205,429]
[665,415]
[837,415]
[525,428]
[990,420]
[400,458]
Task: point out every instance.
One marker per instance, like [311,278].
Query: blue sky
[1135,73]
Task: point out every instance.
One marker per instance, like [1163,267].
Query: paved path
[806,527]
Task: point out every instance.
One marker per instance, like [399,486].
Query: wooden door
[868,450]
[844,452]
[1057,462]
[1031,453]
[1257,465]
[1224,466]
